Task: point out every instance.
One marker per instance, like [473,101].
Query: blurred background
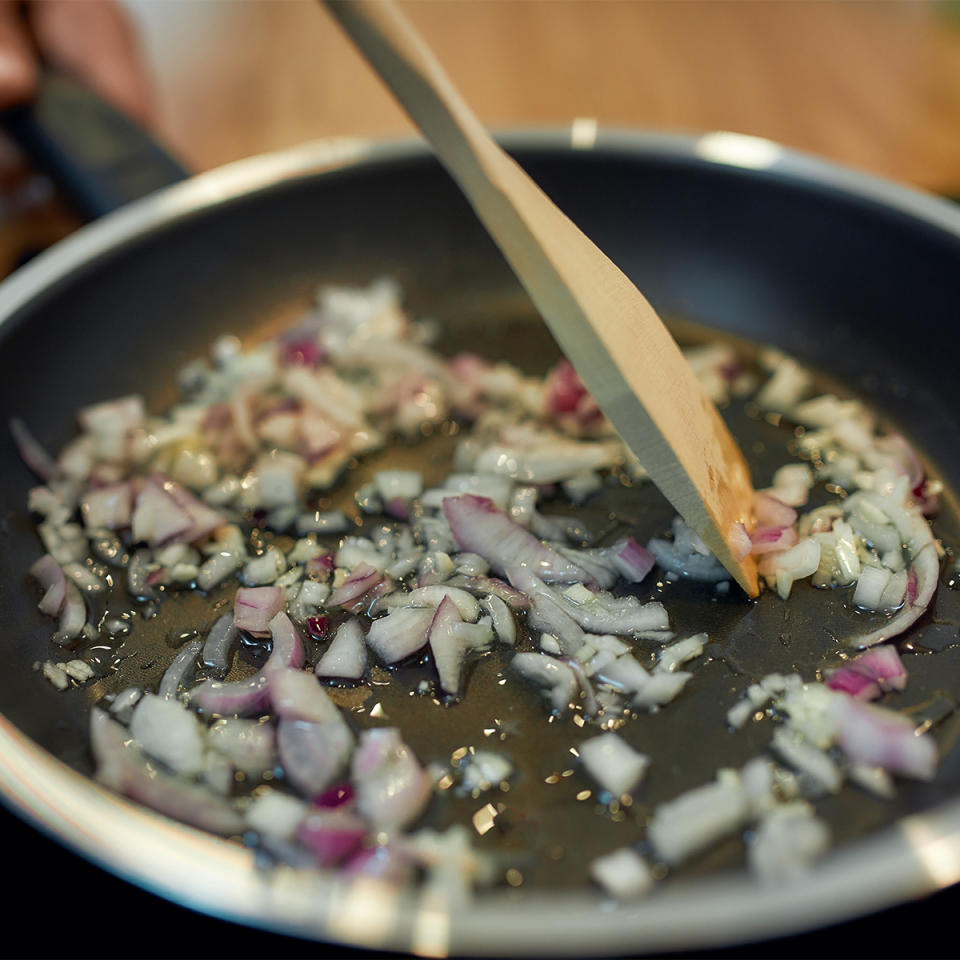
[873,85]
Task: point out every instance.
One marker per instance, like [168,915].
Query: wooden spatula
[612,336]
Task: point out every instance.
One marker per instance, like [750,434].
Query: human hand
[92,40]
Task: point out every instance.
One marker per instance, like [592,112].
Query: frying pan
[852,276]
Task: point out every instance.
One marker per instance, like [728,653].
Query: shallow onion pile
[180,502]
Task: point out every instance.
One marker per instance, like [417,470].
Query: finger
[18,72]
[94,41]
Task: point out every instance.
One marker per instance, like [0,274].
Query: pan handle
[99,158]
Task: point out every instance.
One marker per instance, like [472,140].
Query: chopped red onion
[49,574]
[120,766]
[255,607]
[624,673]
[548,672]
[504,626]
[251,696]
[313,754]
[433,596]
[157,517]
[400,634]
[338,795]
[883,738]
[547,611]
[874,671]
[613,763]
[491,585]
[288,649]
[696,819]
[109,508]
[236,698]
[391,788]
[361,580]
[73,616]
[772,540]
[346,657]
[331,835]
[924,574]
[768,511]
[180,670]
[219,643]
[632,560]
[218,567]
[203,520]
[33,454]
[480,527]
[171,733]
[447,648]
[249,745]
[623,874]
[297,694]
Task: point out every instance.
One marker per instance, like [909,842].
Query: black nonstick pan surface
[853,277]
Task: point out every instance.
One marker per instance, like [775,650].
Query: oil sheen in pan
[547,822]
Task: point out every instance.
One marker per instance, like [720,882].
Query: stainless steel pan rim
[917,856]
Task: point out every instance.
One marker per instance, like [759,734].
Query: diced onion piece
[613,763]
[432,596]
[120,766]
[346,657]
[275,814]
[251,696]
[218,645]
[313,754]
[786,842]
[480,527]
[363,579]
[331,836]
[297,694]
[792,565]
[696,819]
[255,607]
[624,673]
[660,689]
[768,511]
[681,652]
[168,731]
[249,744]
[548,672]
[391,787]
[883,738]
[73,616]
[447,647]
[632,560]
[400,634]
[870,587]
[872,672]
[180,670]
[49,574]
[504,626]
[109,508]
[823,773]
[623,874]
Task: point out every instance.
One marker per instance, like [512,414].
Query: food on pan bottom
[364,605]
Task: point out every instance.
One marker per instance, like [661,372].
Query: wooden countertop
[875,85]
